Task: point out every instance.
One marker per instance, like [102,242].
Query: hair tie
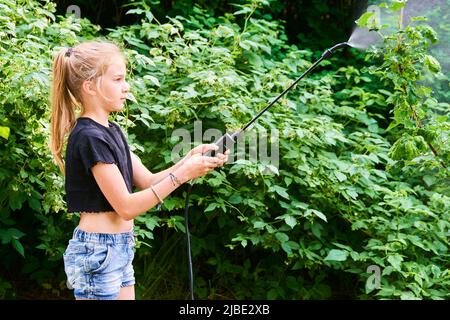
[69,52]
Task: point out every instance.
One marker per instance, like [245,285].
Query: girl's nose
[126,87]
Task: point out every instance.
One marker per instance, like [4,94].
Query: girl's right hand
[198,165]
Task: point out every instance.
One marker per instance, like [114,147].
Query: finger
[220,163]
[207,147]
[226,153]
[210,160]
[202,148]
[224,159]
[217,162]
[195,150]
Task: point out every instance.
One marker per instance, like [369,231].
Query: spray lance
[228,140]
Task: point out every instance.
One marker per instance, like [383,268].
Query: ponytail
[71,67]
[63,115]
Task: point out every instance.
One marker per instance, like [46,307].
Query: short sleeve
[92,150]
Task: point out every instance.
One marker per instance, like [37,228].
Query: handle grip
[224,143]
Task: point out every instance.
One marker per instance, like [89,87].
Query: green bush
[33,226]
[353,189]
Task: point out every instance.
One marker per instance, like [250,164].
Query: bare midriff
[104,222]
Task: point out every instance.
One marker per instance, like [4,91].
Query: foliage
[352,189]
[31,224]
[330,206]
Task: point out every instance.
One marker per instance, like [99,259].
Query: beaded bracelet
[156,195]
[174,179]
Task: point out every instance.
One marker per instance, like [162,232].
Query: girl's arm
[129,205]
[143,178]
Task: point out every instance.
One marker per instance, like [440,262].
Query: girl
[100,170]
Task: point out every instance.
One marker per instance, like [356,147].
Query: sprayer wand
[227,141]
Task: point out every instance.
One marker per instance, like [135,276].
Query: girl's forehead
[117,65]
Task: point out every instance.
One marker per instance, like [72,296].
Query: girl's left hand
[203,148]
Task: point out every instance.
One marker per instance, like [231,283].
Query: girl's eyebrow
[119,75]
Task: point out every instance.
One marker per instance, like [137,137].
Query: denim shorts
[97,265]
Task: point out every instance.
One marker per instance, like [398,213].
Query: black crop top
[91,142]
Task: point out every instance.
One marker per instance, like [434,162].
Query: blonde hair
[71,67]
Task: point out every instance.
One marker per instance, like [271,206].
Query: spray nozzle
[329,51]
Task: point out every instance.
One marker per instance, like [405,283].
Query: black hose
[231,138]
[188,241]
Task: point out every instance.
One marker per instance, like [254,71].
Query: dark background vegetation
[313,24]
[254,237]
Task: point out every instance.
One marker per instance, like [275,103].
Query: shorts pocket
[69,268]
[98,260]
[76,247]
[130,249]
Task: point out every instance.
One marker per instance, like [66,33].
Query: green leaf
[16,199]
[259,224]
[10,234]
[244,10]
[429,180]
[352,193]
[340,176]
[432,64]
[272,294]
[211,207]
[235,199]
[342,246]
[180,226]
[363,20]
[395,261]
[282,237]
[385,92]
[286,247]
[151,222]
[4,132]
[397,5]
[317,213]
[35,204]
[18,246]
[290,221]
[408,295]
[336,255]
[288,181]
[152,79]
[136,11]
[43,246]
[316,229]
[280,190]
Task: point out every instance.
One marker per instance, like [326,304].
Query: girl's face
[113,85]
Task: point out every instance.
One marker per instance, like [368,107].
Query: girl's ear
[88,88]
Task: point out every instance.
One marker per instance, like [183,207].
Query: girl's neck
[101,118]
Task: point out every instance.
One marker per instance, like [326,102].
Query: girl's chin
[119,106]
